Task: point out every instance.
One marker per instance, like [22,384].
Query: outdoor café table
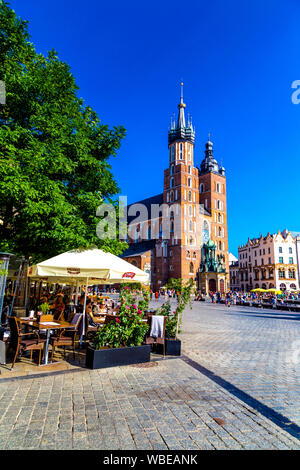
[48,326]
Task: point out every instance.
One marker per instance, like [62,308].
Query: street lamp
[4,261]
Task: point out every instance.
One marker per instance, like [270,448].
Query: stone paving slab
[251,349]
[170,406]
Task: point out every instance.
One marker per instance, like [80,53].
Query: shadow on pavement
[277,418]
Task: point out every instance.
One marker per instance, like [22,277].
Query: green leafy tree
[54,152]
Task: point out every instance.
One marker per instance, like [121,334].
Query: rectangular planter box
[173,347]
[102,358]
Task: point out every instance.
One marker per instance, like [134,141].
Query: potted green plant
[44,308]
[183,291]
[120,342]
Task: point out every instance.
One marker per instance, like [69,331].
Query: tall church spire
[181,115]
[182,131]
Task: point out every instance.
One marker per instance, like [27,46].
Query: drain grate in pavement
[220,421]
[145,365]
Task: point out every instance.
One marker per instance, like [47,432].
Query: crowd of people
[234,298]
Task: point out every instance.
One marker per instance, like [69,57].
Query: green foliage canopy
[54,152]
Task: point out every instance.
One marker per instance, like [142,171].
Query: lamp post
[4,261]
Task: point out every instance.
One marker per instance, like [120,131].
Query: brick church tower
[188,237]
[212,194]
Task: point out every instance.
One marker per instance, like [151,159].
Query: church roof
[138,249]
[157,199]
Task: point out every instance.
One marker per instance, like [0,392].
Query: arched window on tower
[190,196]
[172,183]
[201,188]
[189,182]
[191,226]
[191,268]
[171,196]
[190,152]
[172,169]
[172,153]
[180,151]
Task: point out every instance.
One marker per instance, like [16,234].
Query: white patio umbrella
[87,267]
[95,264]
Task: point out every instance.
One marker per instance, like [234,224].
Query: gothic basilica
[182,232]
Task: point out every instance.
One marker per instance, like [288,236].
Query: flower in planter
[128,329]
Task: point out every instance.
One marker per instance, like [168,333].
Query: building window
[290,250]
[189,182]
[191,226]
[201,188]
[165,249]
[280,249]
[189,169]
[280,259]
[191,268]
[190,152]
[281,274]
[172,183]
[180,151]
[172,153]
[218,188]
[190,196]
[172,169]
[291,260]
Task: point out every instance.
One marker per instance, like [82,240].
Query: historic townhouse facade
[183,232]
[268,262]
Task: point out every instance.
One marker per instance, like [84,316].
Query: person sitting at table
[58,308]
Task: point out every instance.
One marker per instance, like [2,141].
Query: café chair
[156,340]
[20,345]
[66,337]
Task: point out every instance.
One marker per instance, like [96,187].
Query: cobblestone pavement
[255,350]
[171,404]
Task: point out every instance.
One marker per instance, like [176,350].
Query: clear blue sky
[237,59]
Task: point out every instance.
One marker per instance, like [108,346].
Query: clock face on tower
[205,235]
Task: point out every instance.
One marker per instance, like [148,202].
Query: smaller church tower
[212,194]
